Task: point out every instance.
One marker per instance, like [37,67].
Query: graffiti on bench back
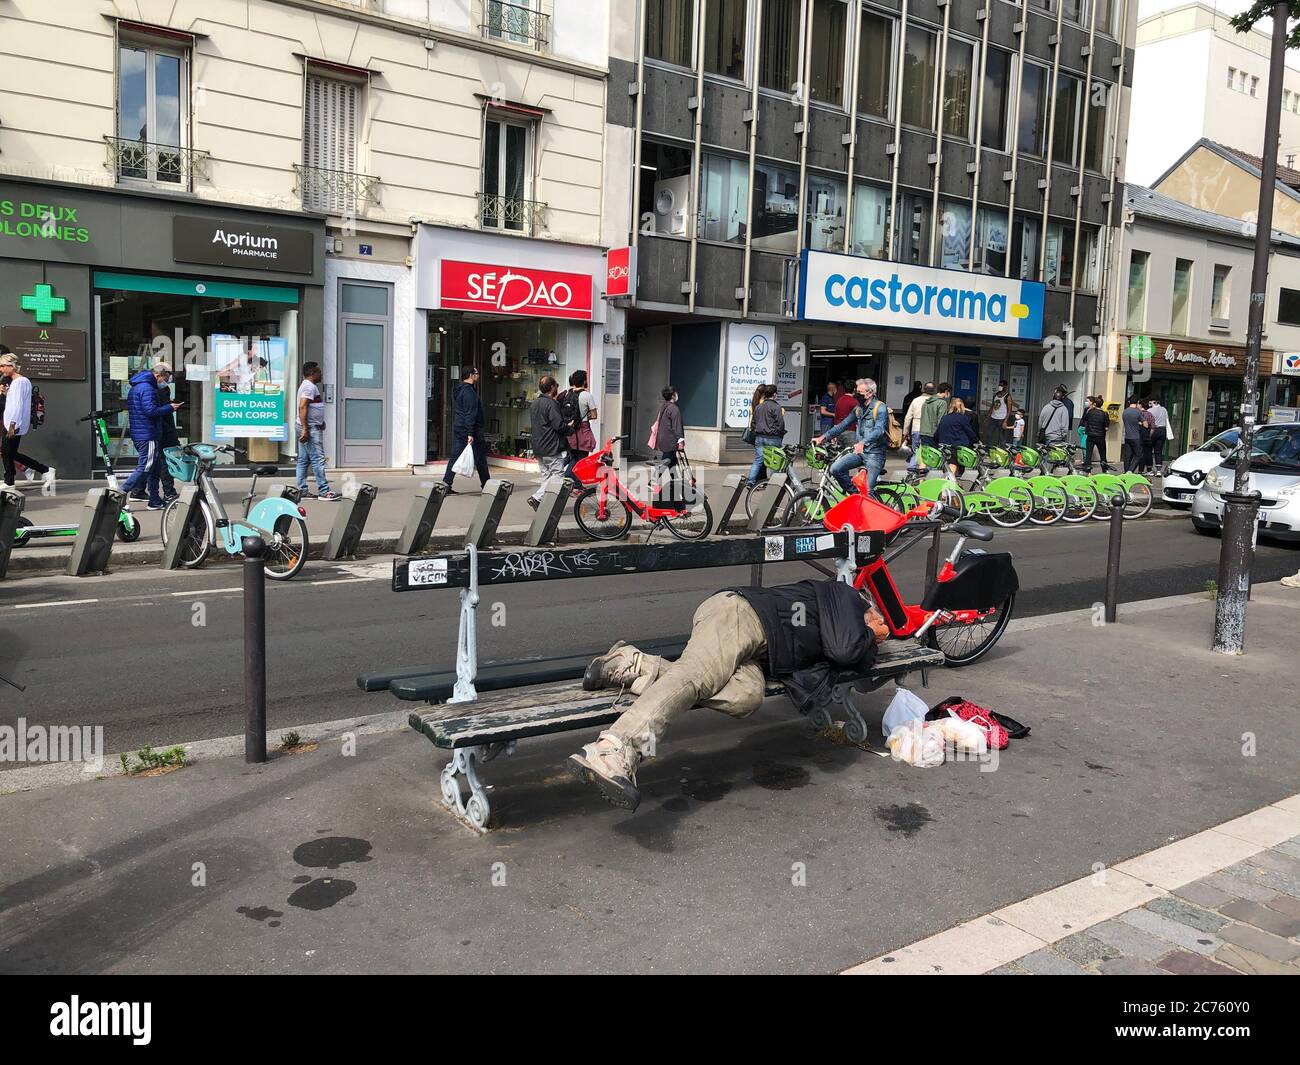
[525,565]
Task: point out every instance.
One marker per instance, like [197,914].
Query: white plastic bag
[903,708]
[464,466]
[917,744]
[963,735]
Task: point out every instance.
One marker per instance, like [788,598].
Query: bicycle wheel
[1018,509]
[756,496]
[1139,501]
[287,553]
[694,523]
[893,497]
[963,644]
[610,521]
[198,535]
[807,508]
[1048,507]
[128,527]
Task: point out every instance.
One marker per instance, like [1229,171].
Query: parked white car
[1274,473]
[1185,473]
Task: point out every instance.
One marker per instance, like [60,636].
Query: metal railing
[519,23]
[163,164]
[511,215]
[334,191]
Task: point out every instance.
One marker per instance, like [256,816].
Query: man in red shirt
[845,405]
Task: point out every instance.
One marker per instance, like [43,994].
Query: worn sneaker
[616,668]
[328,497]
[533,503]
[610,765]
[156,506]
[1293,581]
[139,498]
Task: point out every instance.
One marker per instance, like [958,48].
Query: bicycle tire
[892,497]
[1003,519]
[806,508]
[590,524]
[979,650]
[1138,503]
[677,526]
[1087,506]
[1048,512]
[758,489]
[198,537]
[292,551]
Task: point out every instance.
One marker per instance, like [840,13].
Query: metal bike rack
[95,535]
[546,522]
[421,518]
[733,485]
[350,522]
[770,498]
[487,515]
[180,520]
[11,509]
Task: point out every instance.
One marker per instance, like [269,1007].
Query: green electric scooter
[128,526]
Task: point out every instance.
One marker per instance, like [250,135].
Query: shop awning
[192,286]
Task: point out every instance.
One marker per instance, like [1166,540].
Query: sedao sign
[620,273]
[875,292]
[515,290]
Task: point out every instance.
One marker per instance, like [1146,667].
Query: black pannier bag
[982,582]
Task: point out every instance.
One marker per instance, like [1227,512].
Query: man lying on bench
[800,634]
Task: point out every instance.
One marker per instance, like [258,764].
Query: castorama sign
[860,291]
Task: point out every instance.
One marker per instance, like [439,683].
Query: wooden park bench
[479,713]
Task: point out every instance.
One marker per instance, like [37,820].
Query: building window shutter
[330,143]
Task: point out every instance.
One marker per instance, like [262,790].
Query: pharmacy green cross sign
[45,304]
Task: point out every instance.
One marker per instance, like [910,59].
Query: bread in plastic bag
[917,744]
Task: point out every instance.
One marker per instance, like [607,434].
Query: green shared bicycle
[1006,501]
[1136,489]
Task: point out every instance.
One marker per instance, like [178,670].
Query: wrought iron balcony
[518,23]
[511,215]
[339,192]
[162,164]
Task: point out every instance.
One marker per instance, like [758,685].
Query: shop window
[997,99]
[1066,131]
[669,30]
[329,180]
[1219,296]
[912,237]
[724,38]
[776,208]
[1136,316]
[825,223]
[152,114]
[508,176]
[1288,306]
[1032,134]
[954,235]
[991,242]
[958,82]
[665,207]
[1182,298]
[829,51]
[870,221]
[724,199]
[875,64]
[920,57]
[778,55]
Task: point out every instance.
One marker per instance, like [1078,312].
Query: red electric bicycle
[966,610]
[605,506]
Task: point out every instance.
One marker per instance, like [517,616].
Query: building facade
[245,186]
[829,189]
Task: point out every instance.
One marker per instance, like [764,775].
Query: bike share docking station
[487,515]
[11,509]
[182,520]
[350,522]
[95,535]
[421,518]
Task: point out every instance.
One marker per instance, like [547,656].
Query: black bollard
[254,649]
[1112,558]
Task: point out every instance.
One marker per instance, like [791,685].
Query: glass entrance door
[365,344]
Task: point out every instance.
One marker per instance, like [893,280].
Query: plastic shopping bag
[464,466]
[963,735]
[917,744]
[903,708]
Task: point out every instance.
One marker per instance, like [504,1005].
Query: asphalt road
[157,657]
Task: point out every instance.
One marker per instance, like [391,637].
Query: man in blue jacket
[146,411]
[870,422]
[467,427]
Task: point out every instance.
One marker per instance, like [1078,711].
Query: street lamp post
[1241,506]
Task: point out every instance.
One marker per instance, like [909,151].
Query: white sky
[1154,7]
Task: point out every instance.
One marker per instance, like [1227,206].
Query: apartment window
[824,229]
[1089,274]
[724,198]
[920,57]
[875,54]
[669,29]
[1024,247]
[1066,131]
[954,235]
[829,49]
[1104,15]
[1219,294]
[1232,77]
[517,21]
[152,115]
[1286,99]
[1288,306]
[1059,264]
[329,145]
[912,238]
[870,221]
[507,176]
[776,208]
[958,83]
[778,55]
[1254,86]
[1182,298]
[724,38]
[1136,317]
[1241,81]
[997,99]
[1073,10]
[665,206]
[1033,108]
[1094,151]
[991,242]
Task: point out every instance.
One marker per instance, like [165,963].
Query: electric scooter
[128,526]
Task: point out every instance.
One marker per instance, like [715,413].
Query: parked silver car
[1274,473]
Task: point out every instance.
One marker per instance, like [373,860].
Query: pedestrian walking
[971,410]
[912,422]
[467,427]
[668,437]
[845,403]
[1146,433]
[957,429]
[1159,432]
[917,389]
[18,421]
[999,409]
[168,436]
[869,421]
[1054,419]
[1095,426]
[1132,419]
[311,433]
[549,436]
[578,406]
[768,422]
[936,406]
[145,410]
[826,406]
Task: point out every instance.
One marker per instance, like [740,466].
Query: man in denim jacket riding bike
[870,420]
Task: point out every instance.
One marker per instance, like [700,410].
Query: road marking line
[205,591]
[348,580]
[57,602]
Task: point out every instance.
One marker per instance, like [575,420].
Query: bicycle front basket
[930,456]
[180,465]
[1057,453]
[966,457]
[775,458]
[1028,457]
[816,457]
[999,456]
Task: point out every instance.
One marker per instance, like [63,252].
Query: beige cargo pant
[721,669]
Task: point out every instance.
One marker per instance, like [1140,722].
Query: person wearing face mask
[869,421]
